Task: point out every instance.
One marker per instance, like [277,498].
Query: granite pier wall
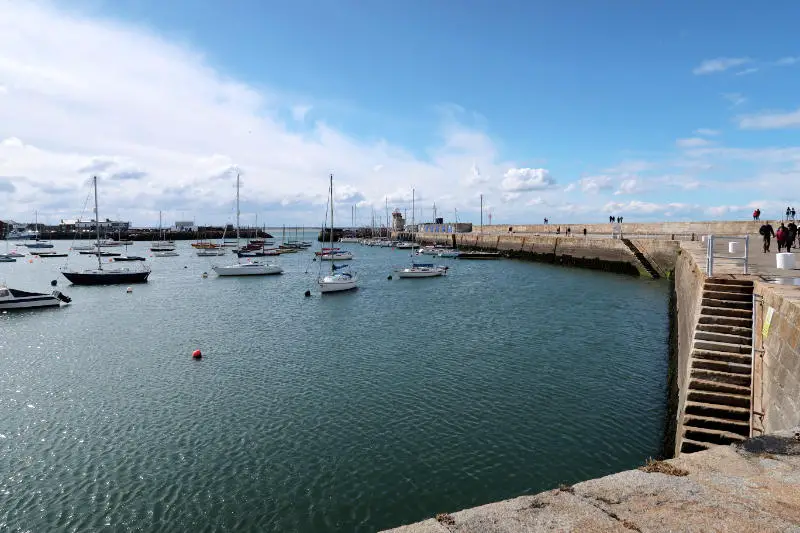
[776,362]
[675,230]
[607,254]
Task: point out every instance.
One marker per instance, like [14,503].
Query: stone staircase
[642,259]
[717,407]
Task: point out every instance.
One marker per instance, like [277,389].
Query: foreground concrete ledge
[752,487]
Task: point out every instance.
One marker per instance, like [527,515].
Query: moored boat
[17,299]
[101,276]
[340,278]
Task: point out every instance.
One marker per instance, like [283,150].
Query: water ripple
[355,412]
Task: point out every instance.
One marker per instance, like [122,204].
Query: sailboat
[162,248]
[254,268]
[101,276]
[37,243]
[340,278]
[419,270]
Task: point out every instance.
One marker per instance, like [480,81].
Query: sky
[569,110]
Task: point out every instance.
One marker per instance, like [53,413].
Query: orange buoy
[197,354]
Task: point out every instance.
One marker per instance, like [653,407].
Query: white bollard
[785,261]
[704,238]
[733,247]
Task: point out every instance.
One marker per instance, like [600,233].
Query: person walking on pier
[767,232]
[793,213]
[792,227]
[781,236]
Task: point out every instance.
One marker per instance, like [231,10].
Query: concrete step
[718,411]
[744,332]
[691,446]
[718,386]
[734,400]
[730,281]
[739,427]
[738,289]
[728,378]
[726,311]
[711,436]
[724,295]
[730,304]
[721,366]
[727,338]
[727,357]
[721,346]
[738,322]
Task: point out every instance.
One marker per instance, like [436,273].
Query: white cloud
[536,200]
[692,142]
[166,118]
[571,187]
[787,61]
[647,208]
[706,132]
[735,99]
[630,186]
[527,179]
[720,64]
[299,112]
[511,196]
[745,72]
[770,121]
[596,184]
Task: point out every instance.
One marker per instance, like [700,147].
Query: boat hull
[419,273]
[327,286]
[247,270]
[108,277]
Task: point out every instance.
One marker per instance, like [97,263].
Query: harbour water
[348,412]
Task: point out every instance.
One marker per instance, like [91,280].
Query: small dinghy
[16,299]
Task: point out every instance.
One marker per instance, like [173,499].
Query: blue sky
[571,110]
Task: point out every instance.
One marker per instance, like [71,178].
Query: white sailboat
[158,247]
[340,278]
[419,270]
[251,268]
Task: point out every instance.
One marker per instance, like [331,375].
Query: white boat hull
[14,299]
[420,272]
[250,269]
[166,254]
[336,284]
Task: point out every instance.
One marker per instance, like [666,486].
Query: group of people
[611,220]
[790,213]
[785,235]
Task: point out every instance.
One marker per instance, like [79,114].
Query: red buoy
[197,354]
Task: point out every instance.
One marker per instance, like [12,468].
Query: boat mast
[237,210]
[97,225]
[481,214]
[413,226]
[333,268]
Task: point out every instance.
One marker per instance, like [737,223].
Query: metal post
[746,252]
[710,255]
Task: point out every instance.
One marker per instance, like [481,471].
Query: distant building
[105,225]
[185,225]
[398,222]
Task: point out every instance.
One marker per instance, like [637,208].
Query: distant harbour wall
[612,255]
[679,230]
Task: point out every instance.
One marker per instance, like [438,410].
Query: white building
[185,225]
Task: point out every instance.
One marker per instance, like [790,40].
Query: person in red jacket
[782,235]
